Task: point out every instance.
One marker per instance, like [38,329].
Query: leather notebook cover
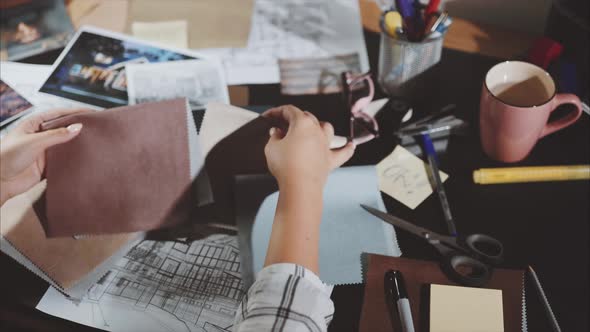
[128,170]
[418,275]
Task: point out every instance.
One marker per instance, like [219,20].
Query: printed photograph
[12,105]
[93,70]
[31,27]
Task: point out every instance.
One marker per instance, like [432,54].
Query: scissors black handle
[485,248]
[466,270]
[467,261]
[461,268]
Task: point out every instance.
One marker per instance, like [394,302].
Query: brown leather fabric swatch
[66,260]
[418,275]
[128,170]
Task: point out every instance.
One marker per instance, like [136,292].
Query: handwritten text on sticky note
[403,176]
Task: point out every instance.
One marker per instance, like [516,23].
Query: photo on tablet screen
[91,69]
[12,104]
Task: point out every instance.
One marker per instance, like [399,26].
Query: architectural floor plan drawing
[162,286]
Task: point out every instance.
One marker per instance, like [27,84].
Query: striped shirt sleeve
[285,297]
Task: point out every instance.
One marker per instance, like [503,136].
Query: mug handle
[560,99]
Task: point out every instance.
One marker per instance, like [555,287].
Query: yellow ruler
[531,174]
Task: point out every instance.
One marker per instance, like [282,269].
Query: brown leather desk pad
[418,274]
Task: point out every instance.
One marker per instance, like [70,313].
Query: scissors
[466,260]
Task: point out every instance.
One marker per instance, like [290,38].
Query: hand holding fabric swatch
[130,169]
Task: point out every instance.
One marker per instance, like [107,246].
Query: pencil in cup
[531,174]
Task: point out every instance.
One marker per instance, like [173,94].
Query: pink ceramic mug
[516,102]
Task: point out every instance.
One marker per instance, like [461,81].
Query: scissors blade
[395,221]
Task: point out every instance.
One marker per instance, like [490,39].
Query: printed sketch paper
[162,286]
[292,29]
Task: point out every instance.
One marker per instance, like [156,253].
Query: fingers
[342,155]
[276,133]
[312,117]
[328,130]
[46,139]
[286,113]
[33,123]
[338,142]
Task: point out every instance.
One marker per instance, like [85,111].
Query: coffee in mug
[516,101]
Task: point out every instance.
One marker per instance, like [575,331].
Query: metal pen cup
[402,64]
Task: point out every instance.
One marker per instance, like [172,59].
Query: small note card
[403,176]
[168,33]
[465,309]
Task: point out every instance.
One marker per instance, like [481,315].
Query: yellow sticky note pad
[465,309]
[403,176]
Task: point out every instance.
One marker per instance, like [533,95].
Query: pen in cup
[391,23]
[407,12]
[438,22]
[431,9]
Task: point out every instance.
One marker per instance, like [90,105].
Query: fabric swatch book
[70,265]
[131,169]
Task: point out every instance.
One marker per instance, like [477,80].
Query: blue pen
[439,188]
[406,10]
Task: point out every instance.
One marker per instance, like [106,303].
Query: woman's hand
[298,150]
[298,155]
[22,151]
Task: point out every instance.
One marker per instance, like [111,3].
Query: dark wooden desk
[542,224]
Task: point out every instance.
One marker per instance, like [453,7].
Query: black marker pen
[396,288]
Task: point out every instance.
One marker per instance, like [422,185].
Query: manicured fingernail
[74,128]
[272,131]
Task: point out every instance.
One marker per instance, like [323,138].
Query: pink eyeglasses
[358,91]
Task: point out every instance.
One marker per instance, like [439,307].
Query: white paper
[161,286]
[293,29]
[26,80]
[220,121]
[199,81]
